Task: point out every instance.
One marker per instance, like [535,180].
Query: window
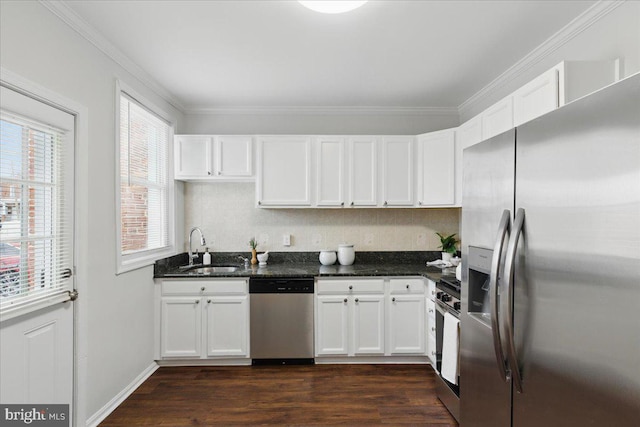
[36,204]
[145,186]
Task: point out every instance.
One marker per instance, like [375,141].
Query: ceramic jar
[327,257]
[346,254]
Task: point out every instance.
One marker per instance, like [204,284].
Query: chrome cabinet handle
[494,283]
[509,272]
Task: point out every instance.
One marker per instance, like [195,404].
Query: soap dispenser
[206,258]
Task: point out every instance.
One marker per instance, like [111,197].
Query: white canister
[327,257]
[346,254]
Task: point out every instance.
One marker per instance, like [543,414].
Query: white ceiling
[221,54]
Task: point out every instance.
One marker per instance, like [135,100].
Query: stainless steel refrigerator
[550,319]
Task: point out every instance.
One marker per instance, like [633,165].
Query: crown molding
[557,40]
[62,10]
[329,110]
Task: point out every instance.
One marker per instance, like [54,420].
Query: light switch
[286,240]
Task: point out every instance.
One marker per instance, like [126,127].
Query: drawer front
[364,286]
[431,290]
[205,287]
[406,286]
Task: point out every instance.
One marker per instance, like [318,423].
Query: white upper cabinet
[192,156]
[234,156]
[436,168]
[363,171]
[397,171]
[498,118]
[536,98]
[468,134]
[330,171]
[213,158]
[284,171]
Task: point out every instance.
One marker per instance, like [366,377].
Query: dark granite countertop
[306,264]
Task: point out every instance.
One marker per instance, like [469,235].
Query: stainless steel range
[447,347]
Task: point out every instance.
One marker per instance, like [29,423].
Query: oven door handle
[509,271]
[494,284]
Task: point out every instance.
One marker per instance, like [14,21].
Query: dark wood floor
[285,395]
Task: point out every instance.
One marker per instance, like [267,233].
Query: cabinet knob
[197,301]
[431,310]
[393,299]
[259,202]
[345,300]
[351,203]
[385,203]
[419,203]
[208,172]
[341,203]
[202,288]
[219,173]
[208,301]
[433,329]
[407,286]
[433,353]
[357,300]
[350,287]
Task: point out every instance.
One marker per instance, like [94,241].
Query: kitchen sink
[201,270]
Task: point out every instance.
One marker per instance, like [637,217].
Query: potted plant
[448,245]
[253,244]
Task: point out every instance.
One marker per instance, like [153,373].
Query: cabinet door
[436,177]
[536,98]
[330,171]
[332,322]
[498,118]
[363,171]
[284,171]
[181,327]
[192,156]
[407,324]
[470,133]
[431,331]
[227,323]
[368,324]
[397,171]
[233,156]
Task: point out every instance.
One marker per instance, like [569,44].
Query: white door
[363,171]
[332,326]
[368,324]
[233,156]
[407,324]
[227,325]
[397,171]
[330,172]
[180,327]
[284,171]
[36,251]
[436,154]
[193,156]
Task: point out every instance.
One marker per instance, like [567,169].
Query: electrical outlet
[263,239]
[316,239]
[421,240]
[286,240]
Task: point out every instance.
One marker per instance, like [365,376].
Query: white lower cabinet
[204,319]
[431,322]
[367,317]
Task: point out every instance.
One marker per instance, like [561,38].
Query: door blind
[36,233]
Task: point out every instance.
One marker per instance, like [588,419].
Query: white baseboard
[107,409]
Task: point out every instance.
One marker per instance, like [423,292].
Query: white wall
[38,46]
[616,35]
[318,124]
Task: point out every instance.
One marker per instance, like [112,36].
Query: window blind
[36,235]
[144,186]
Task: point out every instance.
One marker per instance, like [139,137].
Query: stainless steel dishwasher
[281,320]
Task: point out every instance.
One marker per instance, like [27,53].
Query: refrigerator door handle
[503,230]
[512,249]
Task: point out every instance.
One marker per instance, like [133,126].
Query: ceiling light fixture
[332,6]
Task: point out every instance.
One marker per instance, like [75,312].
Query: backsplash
[228,217]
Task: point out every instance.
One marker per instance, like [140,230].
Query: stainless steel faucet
[202,243]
